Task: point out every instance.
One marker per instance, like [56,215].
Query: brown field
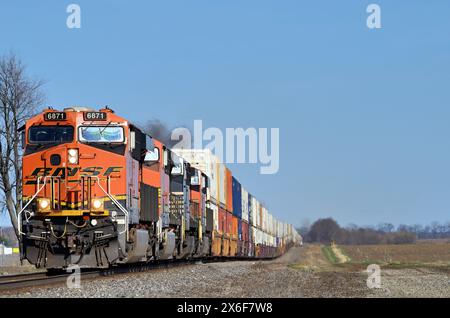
[424,252]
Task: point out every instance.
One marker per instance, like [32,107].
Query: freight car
[98,191]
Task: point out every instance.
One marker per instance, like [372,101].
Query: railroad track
[10,282]
[28,280]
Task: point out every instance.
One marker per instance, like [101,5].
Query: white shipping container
[255,235]
[244,194]
[221,183]
[215,210]
[266,220]
[275,227]
[258,214]
[263,218]
[254,209]
[269,223]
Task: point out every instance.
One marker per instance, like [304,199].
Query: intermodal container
[258,214]
[250,209]
[240,237]
[237,198]
[234,227]
[215,210]
[231,227]
[255,212]
[244,231]
[245,204]
[269,224]
[221,184]
[205,161]
[229,190]
[264,219]
[254,234]
[223,226]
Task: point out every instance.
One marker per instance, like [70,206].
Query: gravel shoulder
[302,272]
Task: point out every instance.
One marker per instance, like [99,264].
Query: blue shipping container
[237,198]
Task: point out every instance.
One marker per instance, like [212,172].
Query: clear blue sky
[363,114]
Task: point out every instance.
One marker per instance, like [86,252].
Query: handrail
[39,189]
[114,200]
[19,215]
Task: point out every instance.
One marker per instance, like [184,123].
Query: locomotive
[97,191]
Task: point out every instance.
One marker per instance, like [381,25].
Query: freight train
[98,191]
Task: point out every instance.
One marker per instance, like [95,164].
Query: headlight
[73,156]
[97,204]
[43,204]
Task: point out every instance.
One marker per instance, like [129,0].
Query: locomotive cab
[75,188]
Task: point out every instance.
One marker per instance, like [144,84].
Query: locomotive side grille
[149,203]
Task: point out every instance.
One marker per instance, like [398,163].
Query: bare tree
[324,230]
[19,98]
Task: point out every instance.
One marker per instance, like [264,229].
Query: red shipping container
[245,231]
[229,228]
[223,229]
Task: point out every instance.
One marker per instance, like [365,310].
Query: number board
[94,116]
[55,116]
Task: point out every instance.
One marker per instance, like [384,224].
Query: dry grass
[423,253]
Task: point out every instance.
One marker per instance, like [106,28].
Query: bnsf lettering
[111,170]
[41,172]
[88,171]
[91,171]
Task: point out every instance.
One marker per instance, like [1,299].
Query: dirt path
[342,258]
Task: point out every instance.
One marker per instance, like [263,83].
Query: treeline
[328,230]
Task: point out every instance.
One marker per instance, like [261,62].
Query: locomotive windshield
[101,134]
[50,134]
